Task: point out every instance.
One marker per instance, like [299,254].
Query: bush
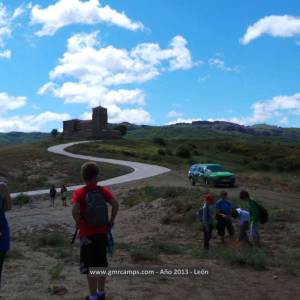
[161,152]
[254,258]
[56,270]
[122,128]
[169,152]
[129,153]
[164,247]
[143,253]
[183,151]
[159,141]
[53,239]
[21,199]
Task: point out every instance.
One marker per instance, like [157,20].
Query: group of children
[94,223]
[63,195]
[223,211]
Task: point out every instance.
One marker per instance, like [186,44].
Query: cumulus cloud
[8,102]
[276,107]
[174,114]
[68,12]
[94,73]
[29,123]
[6,27]
[275,25]
[219,63]
[5,54]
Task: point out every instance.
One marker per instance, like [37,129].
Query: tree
[54,133]
[122,128]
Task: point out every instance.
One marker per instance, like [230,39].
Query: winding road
[140,170]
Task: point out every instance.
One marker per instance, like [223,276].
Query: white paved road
[140,170]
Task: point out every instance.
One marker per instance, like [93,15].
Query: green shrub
[122,128]
[56,271]
[161,152]
[53,239]
[169,152]
[243,257]
[143,253]
[183,151]
[129,153]
[21,199]
[159,141]
[164,247]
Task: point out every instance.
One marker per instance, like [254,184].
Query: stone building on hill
[97,128]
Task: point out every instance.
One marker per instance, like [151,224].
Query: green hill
[12,138]
[214,130]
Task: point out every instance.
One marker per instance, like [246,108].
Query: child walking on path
[90,213]
[63,194]
[52,195]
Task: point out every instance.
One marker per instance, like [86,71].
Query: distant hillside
[209,130]
[21,137]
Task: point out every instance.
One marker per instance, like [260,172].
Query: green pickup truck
[211,174]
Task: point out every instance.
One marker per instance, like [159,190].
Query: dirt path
[140,170]
[28,278]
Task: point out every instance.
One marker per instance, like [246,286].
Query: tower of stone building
[99,119]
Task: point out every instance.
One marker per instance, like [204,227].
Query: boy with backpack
[205,216]
[243,218]
[90,213]
[258,215]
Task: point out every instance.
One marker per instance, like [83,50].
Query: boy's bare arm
[115,207]
[76,213]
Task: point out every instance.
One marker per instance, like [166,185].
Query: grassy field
[271,164]
[30,166]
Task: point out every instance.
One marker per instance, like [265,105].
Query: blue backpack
[96,208]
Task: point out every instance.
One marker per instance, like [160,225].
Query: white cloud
[97,73]
[29,123]
[275,25]
[275,107]
[174,114]
[204,78]
[117,115]
[5,54]
[219,63]
[68,12]
[183,120]
[8,102]
[6,27]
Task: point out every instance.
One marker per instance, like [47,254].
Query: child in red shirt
[92,230]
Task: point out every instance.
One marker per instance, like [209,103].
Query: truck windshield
[215,168]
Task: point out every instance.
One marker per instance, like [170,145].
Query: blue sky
[149,62]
